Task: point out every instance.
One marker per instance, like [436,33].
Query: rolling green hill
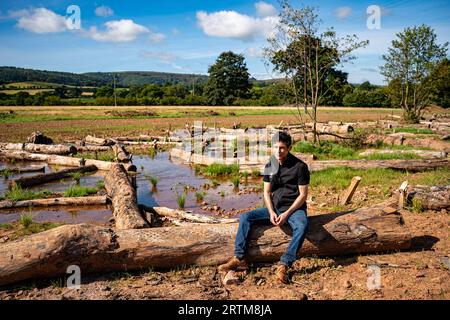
[10,75]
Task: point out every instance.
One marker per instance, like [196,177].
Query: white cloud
[124,30]
[165,57]
[158,55]
[103,11]
[264,9]
[343,12]
[254,52]
[231,24]
[157,37]
[39,20]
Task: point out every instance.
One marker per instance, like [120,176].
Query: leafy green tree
[408,65]
[440,78]
[153,91]
[306,56]
[175,90]
[104,91]
[228,79]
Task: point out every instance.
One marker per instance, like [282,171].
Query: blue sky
[186,36]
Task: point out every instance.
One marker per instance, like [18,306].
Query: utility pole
[114,90]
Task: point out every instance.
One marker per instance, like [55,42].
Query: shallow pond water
[171,178]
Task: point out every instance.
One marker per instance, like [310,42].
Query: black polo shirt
[284,181]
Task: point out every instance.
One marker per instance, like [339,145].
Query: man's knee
[244,217]
[299,223]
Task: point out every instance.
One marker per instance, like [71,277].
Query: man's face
[280,150]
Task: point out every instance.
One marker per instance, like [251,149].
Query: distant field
[67,122]
[29,91]
[40,84]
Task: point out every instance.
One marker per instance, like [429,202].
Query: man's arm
[303,194]
[268,203]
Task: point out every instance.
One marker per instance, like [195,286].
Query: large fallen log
[26,182]
[120,153]
[97,249]
[189,216]
[429,198]
[408,139]
[123,199]
[106,165]
[421,153]
[61,160]
[63,201]
[50,159]
[98,141]
[413,165]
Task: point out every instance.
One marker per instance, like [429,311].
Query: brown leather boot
[233,264]
[281,274]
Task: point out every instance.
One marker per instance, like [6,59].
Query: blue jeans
[297,220]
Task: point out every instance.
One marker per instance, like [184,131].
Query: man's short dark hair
[282,136]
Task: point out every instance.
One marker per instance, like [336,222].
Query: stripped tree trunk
[98,141]
[50,159]
[61,160]
[413,165]
[123,199]
[120,153]
[97,249]
[26,182]
[64,201]
[430,198]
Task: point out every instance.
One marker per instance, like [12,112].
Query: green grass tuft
[16,193]
[181,199]
[79,191]
[218,169]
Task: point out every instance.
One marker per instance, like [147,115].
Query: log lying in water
[50,159]
[61,160]
[430,198]
[98,249]
[120,153]
[98,141]
[63,201]
[106,165]
[123,199]
[59,149]
[26,182]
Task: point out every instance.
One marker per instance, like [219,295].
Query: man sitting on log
[286,180]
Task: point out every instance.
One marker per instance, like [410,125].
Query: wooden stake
[350,191]
[402,195]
